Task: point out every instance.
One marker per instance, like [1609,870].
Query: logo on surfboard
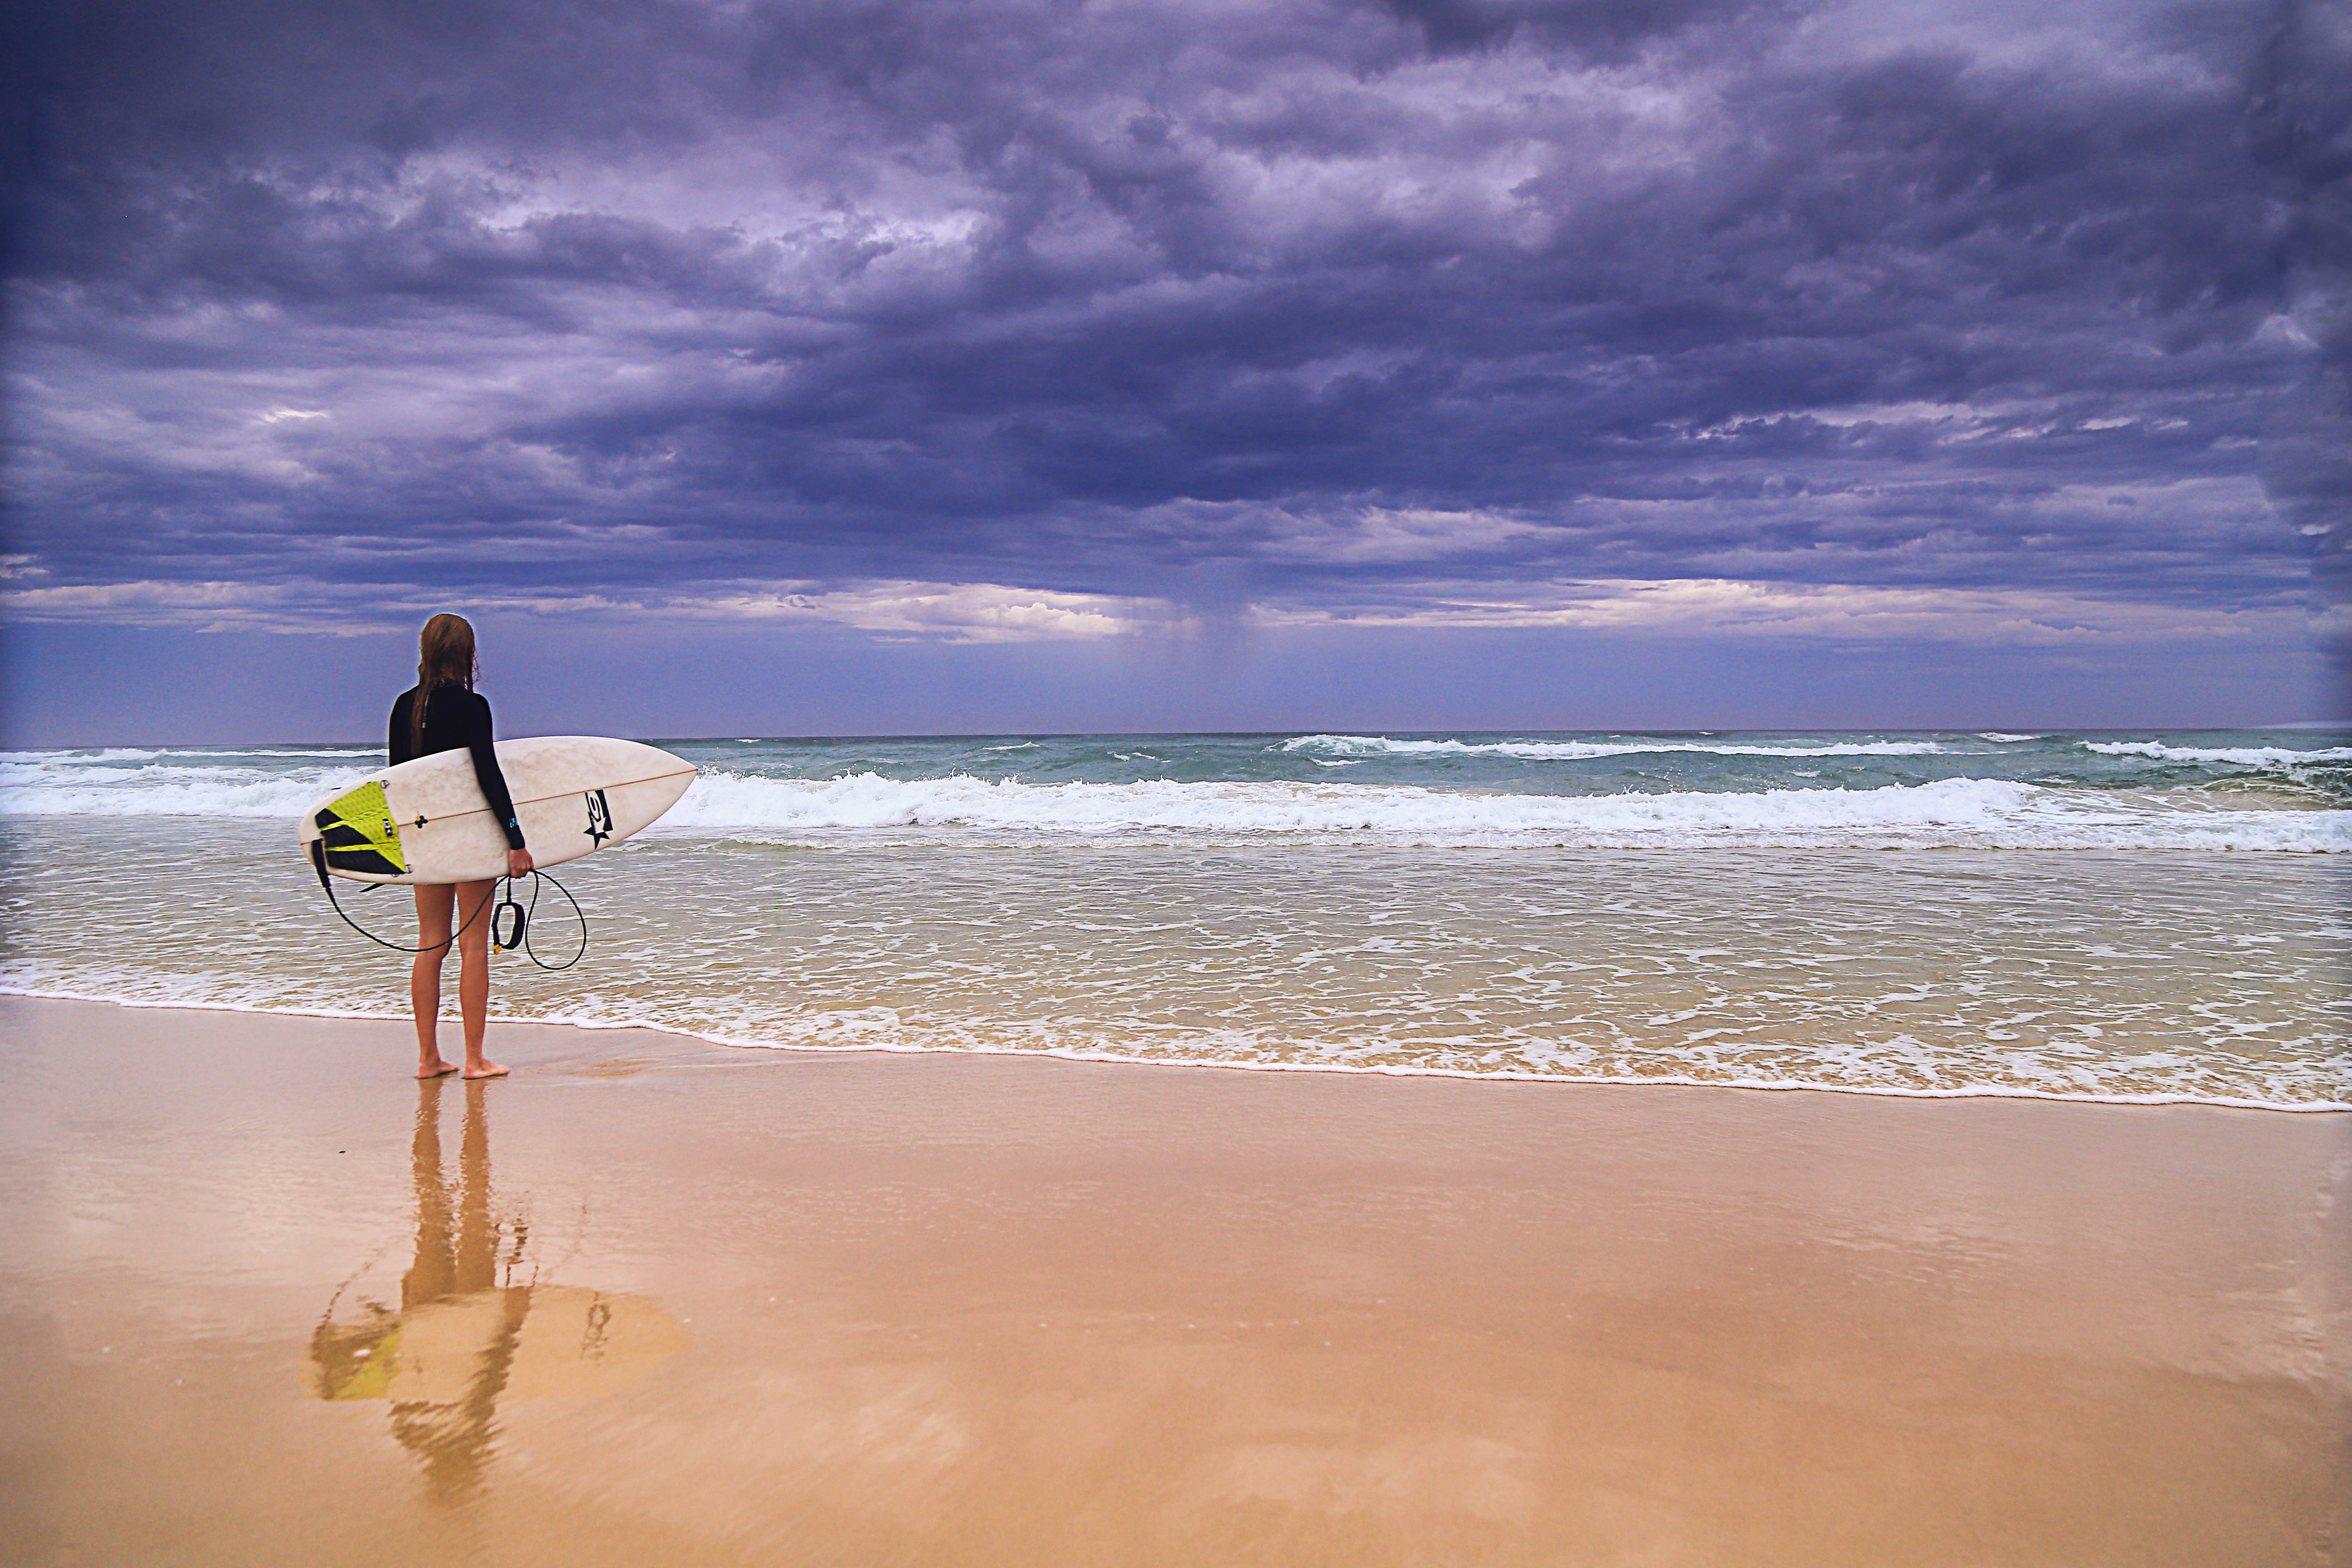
[599,817]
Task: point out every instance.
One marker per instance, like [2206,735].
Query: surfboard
[425,820]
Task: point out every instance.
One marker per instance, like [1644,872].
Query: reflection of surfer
[444,1360]
[468,1339]
[443,712]
[458,1332]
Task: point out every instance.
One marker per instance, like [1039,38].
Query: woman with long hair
[443,712]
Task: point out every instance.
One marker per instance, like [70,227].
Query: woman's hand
[518,862]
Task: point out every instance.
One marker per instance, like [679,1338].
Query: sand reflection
[476,1328]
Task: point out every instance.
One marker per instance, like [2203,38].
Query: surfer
[443,712]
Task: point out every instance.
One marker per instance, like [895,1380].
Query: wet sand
[264,1300]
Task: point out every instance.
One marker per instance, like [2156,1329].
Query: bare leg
[474,973]
[425,978]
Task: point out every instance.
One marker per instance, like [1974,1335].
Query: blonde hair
[444,656]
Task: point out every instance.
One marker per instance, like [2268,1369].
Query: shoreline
[1336,1068]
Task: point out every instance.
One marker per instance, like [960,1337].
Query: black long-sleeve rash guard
[456,718]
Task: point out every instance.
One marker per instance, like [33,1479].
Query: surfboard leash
[525,918]
[519,939]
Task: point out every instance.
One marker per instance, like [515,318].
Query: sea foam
[1971,813]
[1975,813]
[53,788]
[2227,756]
[1579,750]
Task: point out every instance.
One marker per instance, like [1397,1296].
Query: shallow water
[2090,973]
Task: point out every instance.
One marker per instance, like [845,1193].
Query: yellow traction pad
[359,834]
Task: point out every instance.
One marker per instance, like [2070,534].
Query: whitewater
[2142,916]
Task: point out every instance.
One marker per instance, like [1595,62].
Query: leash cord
[492,906]
[527,918]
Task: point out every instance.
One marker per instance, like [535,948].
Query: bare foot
[436,1068]
[486,1069]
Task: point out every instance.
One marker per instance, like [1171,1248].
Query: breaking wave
[1578,750]
[2227,756]
[2062,806]
[1971,813]
[50,788]
[143,753]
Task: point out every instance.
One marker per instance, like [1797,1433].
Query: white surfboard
[426,821]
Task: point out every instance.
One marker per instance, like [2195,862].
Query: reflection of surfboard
[426,821]
[543,1340]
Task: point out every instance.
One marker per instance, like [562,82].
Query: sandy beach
[263,1300]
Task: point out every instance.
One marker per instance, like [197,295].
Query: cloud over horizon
[1005,321]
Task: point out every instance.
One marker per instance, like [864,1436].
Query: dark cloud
[651,301]
[2301,123]
[1607,30]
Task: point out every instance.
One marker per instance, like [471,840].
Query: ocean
[2142,916]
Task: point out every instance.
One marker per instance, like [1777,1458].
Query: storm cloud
[1998,321]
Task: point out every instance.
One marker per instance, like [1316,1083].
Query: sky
[967,366]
